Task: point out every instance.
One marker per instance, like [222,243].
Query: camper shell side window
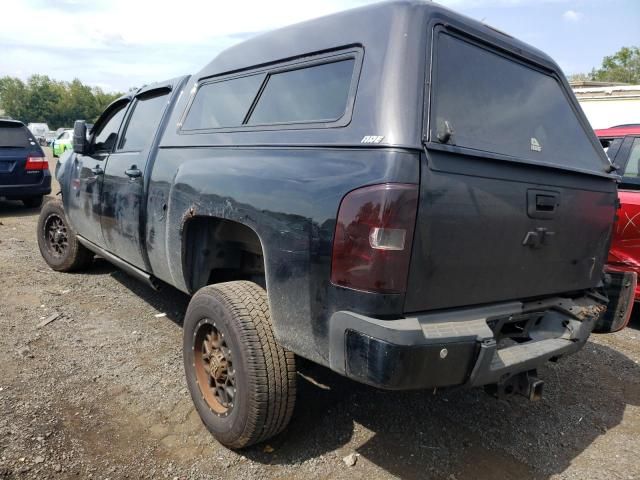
[313,93]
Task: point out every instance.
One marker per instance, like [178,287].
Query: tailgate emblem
[537,239]
[535,145]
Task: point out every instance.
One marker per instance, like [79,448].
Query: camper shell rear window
[487,102]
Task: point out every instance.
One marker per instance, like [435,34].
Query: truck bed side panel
[290,198]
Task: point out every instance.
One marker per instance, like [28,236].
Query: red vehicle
[622,144]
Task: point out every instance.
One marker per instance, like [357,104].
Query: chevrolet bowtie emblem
[538,238]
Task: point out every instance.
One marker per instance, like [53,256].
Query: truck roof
[372,26]
[393,38]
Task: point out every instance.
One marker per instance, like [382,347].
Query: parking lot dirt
[99,392]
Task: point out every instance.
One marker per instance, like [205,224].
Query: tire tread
[270,367]
[79,257]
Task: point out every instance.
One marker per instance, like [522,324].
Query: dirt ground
[99,393]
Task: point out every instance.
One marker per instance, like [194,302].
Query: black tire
[32,202]
[58,243]
[259,372]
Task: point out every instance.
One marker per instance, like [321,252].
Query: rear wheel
[58,243]
[32,202]
[242,382]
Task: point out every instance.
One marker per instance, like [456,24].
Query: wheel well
[217,250]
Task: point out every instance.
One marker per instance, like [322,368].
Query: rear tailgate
[16,145]
[476,242]
[12,163]
[515,201]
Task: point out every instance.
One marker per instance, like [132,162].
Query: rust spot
[583,313]
[188,214]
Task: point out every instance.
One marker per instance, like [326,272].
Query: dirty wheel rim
[56,237]
[215,373]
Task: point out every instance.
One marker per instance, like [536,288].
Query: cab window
[143,122]
[107,135]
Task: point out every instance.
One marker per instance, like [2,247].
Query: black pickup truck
[406,196]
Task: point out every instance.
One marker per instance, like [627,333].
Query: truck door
[83,204]
[124,180]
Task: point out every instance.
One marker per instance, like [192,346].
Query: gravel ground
[99,393]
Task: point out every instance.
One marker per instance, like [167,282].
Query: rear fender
[284,241]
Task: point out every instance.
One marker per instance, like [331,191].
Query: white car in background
[39,130]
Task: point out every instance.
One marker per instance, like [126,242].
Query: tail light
[37,163]
[373,238]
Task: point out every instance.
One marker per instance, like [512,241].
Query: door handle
[542,203]
[133,172]
[546,202]
[97,170]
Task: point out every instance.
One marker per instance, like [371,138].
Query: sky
[119,44]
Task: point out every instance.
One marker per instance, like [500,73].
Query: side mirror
[80,143]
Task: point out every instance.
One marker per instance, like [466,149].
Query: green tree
[59,104]
[623,66]
[42,100]
[80,102]
[13,96]
[580,77]
[103,99]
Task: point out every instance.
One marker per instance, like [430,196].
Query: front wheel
[243,384]
[58,243]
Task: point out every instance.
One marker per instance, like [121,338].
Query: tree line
[59,104]
[623,67]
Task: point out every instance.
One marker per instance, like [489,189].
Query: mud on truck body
[399,193]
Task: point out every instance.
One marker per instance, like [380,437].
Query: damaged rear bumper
[473,346]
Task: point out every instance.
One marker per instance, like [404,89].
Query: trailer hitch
[526,384]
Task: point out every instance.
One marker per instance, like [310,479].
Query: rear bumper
[29,190]
[460,347]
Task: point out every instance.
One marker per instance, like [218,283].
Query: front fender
[63,166]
